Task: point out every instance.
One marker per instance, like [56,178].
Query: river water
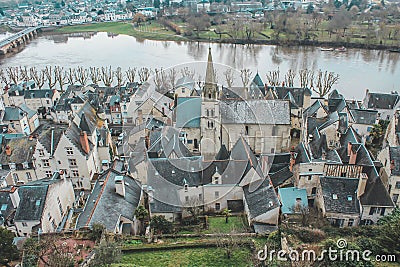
[358,69]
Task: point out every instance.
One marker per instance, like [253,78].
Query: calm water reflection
[358,69]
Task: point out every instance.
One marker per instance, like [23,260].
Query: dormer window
[12,166]
[334,196]
[186,187]
[25,165]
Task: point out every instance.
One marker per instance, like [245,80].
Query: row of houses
[209,147]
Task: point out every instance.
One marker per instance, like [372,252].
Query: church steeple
[210,86]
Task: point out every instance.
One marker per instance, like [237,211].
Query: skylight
[334,196]
[38,202]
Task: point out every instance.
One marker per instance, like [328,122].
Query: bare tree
[245,75]
[193,207]
[172,73]
[37,76]
[81,75]
[70,74]
[3,77]
[289,78]
[144,74]
[51,80]
[59,74]
[95,75]
[24,73]
[13,74]
[131,74]
[306,76]
[160,79]
[273,77]
[119,76]
[107,76]
[324,82]
[229,78]
[186,72]
[229,242]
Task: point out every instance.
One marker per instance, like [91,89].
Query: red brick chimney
[8,150]
[84,142]
[352,155]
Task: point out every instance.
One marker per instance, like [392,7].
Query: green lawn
[186,257]
[147,31]
[218,225]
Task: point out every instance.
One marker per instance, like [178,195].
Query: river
[358,69]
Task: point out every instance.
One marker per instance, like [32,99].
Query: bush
[161,225]
[310,235]
[172,26]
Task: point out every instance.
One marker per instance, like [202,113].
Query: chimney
[84,142]
[140,116]
[361,184]
[8,150]
[120,185]
[351,154]
[14,197]
[349,148]
[292,160]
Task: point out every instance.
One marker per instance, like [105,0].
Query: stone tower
[210,123]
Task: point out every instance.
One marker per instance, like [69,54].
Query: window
[28,176]
[216,193]
[200,196]
[351,222]
[395,198]
[72,162]
[25,165]
[75,173]
[187,198]
[309,177]
[217,206]
[13,166]
[398,185]
[208,112]
[376,210]
[49,174]
[46,163]
[334,196]
[69,150]
[41,152]
[246,130]
[186,187]
[216,180]
[24,224]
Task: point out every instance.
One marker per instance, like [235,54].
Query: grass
[186,257]
[152,31]
[218,225]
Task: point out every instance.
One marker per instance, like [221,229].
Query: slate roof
[375,193]
[288,197]
[105,206]
[13,114]
[296,93]
[41,93]
[281,176]
[32,201]
[257,82]
[364,116]
[6,205]
[381,100]
[166,141]
[255,111]
[260,197]
[73,134]
[349,136]
[394,154]
[30,113]
[188,112]
[363,158]
[312,110]
[48,131]
[342,188]
[22,150]
[186,82]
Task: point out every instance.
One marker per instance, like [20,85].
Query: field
[186,257]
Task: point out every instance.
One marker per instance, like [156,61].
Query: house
[338,200]
[41,100]
[385,104]
[20,119]
[261,204]
[112,202]
[362,121]
[390,158]
[16,156]
[44,205]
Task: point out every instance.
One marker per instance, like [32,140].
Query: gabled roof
[255,111]
[381,100]
[13,114]
[363,158]
[73,134]
[260,197]
[105,206]
[340,194]
[32,201]
[41,93]
[364,116]
[165,143]
[49,135]
[375,193]
[297,94]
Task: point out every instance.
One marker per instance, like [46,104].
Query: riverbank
[152,30]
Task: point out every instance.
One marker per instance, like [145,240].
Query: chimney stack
[8,150]
[361,184]
[120,185]
[14,196]
[292,160]
[84,142]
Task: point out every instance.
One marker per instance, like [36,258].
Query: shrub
[310,235]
